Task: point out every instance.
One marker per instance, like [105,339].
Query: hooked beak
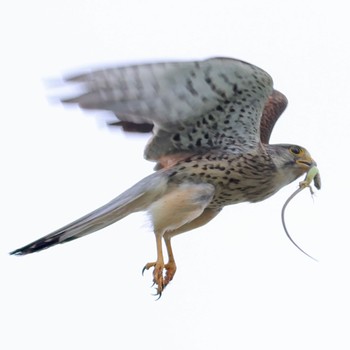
[306,163]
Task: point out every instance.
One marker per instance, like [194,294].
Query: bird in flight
[211,123]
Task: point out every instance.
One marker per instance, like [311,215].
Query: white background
[240,283]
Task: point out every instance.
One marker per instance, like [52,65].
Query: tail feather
[136,198]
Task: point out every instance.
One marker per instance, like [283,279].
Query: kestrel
[211,122]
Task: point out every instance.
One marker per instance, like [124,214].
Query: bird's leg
[174,210]
[170,266]
[158,265]
[204,218]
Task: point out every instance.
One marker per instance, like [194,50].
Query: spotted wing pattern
[194,106]
[275,106]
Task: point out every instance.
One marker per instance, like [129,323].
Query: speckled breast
[236,177]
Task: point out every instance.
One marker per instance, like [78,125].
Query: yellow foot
[170,268]
[159,279]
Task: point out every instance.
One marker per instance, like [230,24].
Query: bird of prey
[211,123]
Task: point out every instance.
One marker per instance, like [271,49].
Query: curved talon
[159,296]
[158,279]
[148,266]
[170,272]
[161,280]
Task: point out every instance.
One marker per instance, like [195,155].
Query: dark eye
[295,150]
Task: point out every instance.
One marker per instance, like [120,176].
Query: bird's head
[291,161]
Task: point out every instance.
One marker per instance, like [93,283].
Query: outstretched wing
[194,106]
[274,107]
